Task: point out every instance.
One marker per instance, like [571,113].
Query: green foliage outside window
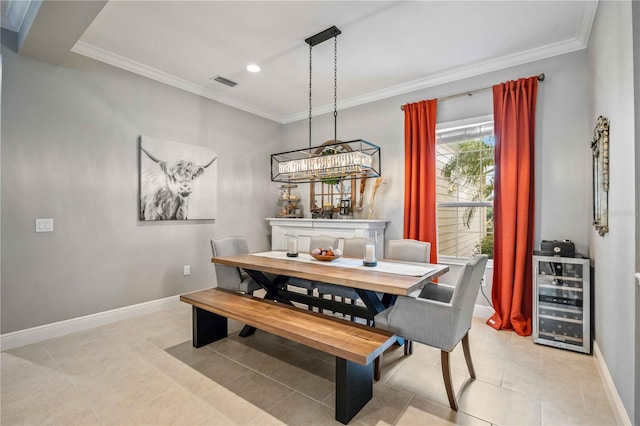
[486,245]
[471,169]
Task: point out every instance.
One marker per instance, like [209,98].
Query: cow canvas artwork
[177,180]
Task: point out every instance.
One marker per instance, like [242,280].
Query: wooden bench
[355,346]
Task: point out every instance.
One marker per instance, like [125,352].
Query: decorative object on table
[600,151]
[335,160]
[177,181]
[370,208]
[326,255]
[292,245]
[370,251]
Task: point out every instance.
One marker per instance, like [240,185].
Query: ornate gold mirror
[600,150]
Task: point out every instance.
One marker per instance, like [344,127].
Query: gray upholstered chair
[230,277]
[409,251]
[406,250]
[351,247]
[436,323]
[319,241]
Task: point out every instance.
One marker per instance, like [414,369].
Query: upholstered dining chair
[440,324]
[405,250]
[351,247]
[409,250]
[230,277]
[317,241]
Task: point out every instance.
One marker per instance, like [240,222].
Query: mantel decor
[334,160]
[600,150]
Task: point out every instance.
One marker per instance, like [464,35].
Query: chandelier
[334,159]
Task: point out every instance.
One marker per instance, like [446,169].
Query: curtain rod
[471,92]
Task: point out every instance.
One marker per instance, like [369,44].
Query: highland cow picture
[177,180]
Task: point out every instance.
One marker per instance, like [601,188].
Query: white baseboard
[622,418]
[482,311]
[62,328]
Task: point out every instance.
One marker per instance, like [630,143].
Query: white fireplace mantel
[305,228]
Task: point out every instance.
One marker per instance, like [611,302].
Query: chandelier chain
[335,88]
[310,49]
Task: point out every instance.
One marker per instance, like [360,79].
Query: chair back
[354,247]
[466,290]
[229,277]
[323,242]
[409,251]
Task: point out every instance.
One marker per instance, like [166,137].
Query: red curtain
[420,173]
[514,114]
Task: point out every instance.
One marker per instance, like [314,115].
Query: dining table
[377,286]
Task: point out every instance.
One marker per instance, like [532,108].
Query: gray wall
[69,152]
[636,75]
[563,159]
[610,78]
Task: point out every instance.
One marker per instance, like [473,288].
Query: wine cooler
[561,302]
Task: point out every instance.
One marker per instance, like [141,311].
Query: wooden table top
[401,285]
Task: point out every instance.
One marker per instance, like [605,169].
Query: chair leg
[377,367]
[408,347]
[310,293]
[467,355]
[448,383]
[353,302]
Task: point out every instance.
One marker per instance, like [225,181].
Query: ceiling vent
[225,81]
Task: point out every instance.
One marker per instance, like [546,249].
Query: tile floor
[145,371]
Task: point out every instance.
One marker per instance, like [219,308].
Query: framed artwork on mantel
[177,181]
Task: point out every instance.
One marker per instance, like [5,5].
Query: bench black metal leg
[354,388]
[207,327]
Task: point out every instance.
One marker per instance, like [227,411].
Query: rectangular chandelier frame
[354,159]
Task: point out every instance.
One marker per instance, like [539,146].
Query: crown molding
[583,31]
[585,22]
[102,55]
[449,76]
[14,13]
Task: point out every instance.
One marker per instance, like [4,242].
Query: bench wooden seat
[355,346]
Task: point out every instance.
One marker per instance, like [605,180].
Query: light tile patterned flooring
[145,371]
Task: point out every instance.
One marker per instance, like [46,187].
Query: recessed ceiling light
[253,68]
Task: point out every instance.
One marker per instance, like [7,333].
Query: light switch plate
[44,225]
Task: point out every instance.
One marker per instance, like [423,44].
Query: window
[464,189]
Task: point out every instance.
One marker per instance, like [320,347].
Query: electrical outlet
[44,225]
[187,270]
